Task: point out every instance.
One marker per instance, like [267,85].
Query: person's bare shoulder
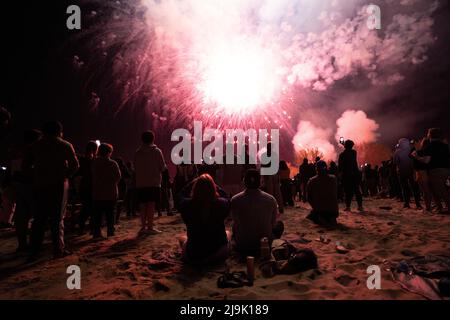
[266,197]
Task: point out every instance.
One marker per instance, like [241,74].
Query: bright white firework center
[239,77]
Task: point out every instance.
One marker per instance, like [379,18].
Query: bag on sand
[290,260]
[303,259]
[282,250]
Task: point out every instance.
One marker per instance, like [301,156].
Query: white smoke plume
[310,137]
[353,125]
[356,126]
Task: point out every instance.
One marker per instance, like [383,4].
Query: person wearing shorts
[149,165]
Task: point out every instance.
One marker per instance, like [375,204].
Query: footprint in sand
[382,253]
[346,280]
[124,265]
[159,265]
[161,285]
[286,284]
[131,276]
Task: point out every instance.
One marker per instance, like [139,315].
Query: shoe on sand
[61,254]
[143,230]
[154,231]
[348,209]
[340,248]
[323,239]
[361,209]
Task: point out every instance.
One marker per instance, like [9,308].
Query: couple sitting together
[205,207]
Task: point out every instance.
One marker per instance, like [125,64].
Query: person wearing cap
[351,176]
[322,196]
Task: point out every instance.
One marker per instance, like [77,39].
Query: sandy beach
[130,267]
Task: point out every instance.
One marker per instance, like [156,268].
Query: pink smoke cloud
[310,137]
[356,126]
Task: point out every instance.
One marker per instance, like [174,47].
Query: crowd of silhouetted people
[45,175]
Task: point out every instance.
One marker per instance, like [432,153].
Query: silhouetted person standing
[122,187]
[305,174]
[149,165]
[351,177]
[286,184]
[166,186]
[130,198]
[23,189]
[422,176]
[271,183]
[53,161]
[370,177]
[85,172]
[405,170]
[383,173]
[105,180]
[437,156]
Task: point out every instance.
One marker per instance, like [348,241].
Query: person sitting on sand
[254,214]
[204,213]
[105,179]
[322,196]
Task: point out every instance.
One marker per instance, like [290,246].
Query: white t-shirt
[149,164]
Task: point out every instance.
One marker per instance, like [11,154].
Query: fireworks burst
[238,63]
[216,69]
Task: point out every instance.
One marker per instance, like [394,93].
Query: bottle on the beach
[265,249]
[251,269]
